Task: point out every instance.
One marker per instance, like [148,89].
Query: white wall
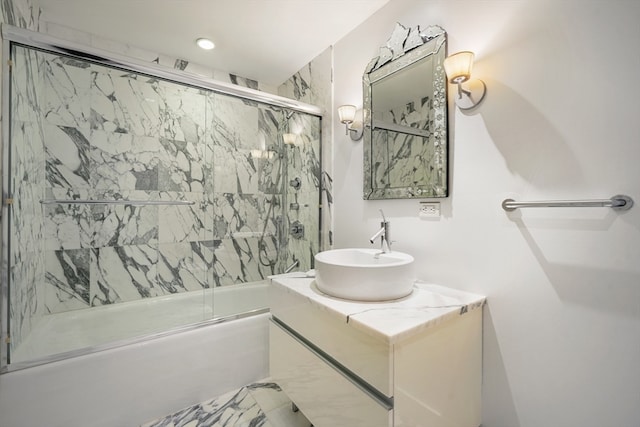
[562,325]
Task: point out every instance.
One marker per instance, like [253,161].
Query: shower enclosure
[130,189]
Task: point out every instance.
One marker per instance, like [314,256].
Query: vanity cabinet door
[438,375]
[326,396]
[369,358]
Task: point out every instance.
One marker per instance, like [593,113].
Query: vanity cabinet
[410,362]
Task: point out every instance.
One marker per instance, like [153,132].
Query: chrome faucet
[383,233]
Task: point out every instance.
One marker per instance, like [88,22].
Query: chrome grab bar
[115,202]
[619,202]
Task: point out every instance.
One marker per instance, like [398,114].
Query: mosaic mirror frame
[405,147]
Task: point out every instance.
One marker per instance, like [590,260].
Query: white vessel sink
[364,274]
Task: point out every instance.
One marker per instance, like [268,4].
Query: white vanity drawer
[325,395]
[367,357]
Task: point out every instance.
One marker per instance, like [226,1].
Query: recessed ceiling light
[205,44]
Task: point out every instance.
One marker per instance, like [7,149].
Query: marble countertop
[392,321]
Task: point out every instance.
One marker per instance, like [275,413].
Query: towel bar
[619,202]
[115,202]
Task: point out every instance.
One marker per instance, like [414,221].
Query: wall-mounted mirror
[405,117]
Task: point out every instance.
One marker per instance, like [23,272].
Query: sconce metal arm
[462,91]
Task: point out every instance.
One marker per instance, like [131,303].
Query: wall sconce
[347,116]
[289,138]
[458,68]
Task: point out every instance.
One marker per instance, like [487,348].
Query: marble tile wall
[21,13]
[303,163]
[113,135]
[312,84]
[27,262]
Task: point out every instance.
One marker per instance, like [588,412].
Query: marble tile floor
[261,404]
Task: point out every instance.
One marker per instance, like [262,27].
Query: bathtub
[63,335]
[131,381]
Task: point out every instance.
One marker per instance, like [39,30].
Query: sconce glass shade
[347,113]
[289,138]
[458,66]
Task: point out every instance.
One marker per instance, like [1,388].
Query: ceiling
[264,40]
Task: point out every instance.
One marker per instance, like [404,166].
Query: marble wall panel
[26,260]
[123,225]
[125,102]
[24,304]
[121,161]
[223,76]
[67,157]
[183,266]
[67,275]
[26,85]
[255,171]
[239,146]
[26,241]
[67,226]
[26,184]
[185,166]
[303,203]
[271,167]
[244,170]
[227,268]
[183,112]
[26,221]
[241,260]
[239,221]
[225,177]
[301,250]
[27,153]
[185,223]
[21,13]
[66,93]
[123,273]
[313,84]
[236,123]
[242,215]
[269,158]
[246,173]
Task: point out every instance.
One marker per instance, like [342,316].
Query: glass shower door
[107,170]
[141,205]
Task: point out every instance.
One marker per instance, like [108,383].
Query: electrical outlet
[429,210]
